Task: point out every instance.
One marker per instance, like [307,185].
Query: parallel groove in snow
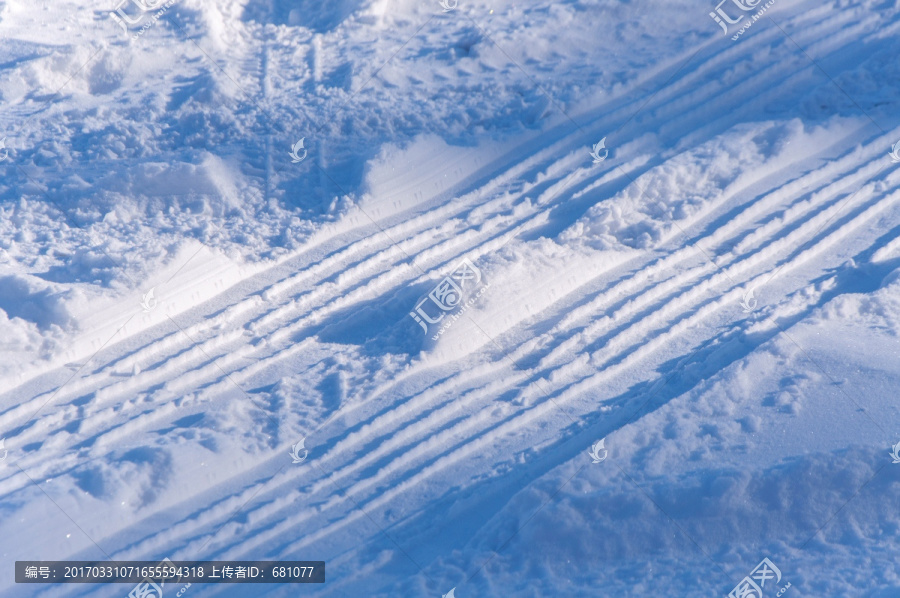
[424,434]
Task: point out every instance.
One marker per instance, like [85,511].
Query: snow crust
[718,298]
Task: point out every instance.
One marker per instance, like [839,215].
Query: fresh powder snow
[582,298]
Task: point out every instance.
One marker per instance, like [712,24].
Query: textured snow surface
[717,298]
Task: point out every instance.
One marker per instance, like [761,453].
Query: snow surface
[718,298]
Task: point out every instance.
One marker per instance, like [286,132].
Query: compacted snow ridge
[580,298]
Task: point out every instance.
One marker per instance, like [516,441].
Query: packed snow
[461,297]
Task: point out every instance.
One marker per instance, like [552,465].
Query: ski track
[380,458]
[446,436]
[423,438]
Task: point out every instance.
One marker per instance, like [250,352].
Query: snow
[718,298]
